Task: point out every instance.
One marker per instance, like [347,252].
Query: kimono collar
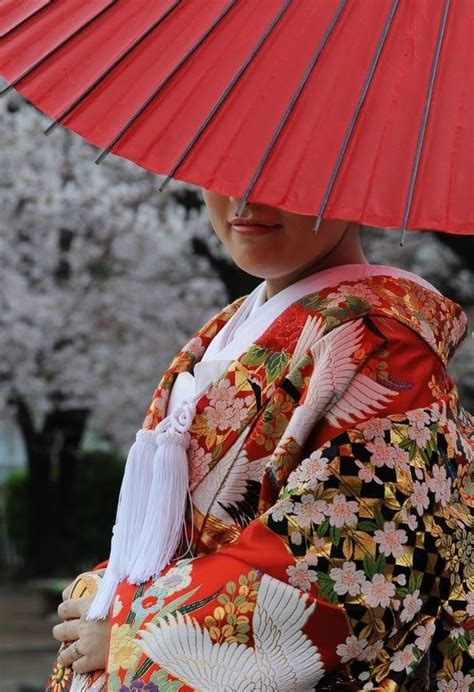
[256,314]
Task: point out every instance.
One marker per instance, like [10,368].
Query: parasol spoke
[355,115]
[164,82]
[67,111]
[24,19]
[62,43]
[268,29]
[424,120]
[291,105]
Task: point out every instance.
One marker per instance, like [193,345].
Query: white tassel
[166,507]
[152,505]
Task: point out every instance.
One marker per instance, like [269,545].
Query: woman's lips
[254,229]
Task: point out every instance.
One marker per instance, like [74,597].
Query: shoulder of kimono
[212,326]
[439,321]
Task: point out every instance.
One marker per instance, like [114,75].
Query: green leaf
[160,678]
[197,604]
[334,535]
[147,663]
[369,566]
[323,528]
[367,526]
[414,582]
[275,364]
[325,579]
[296,378]
[326,588]
[380,564]
[176,604]
[313,301]
[378,516]
[357,305]
[255,355]
[336,313]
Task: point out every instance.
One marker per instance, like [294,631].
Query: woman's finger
[70,654]
[67,631]
[67,591]
[74,607]
[83,665]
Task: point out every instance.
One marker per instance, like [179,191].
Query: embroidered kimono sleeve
[348,571]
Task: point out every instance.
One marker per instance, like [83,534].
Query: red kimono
[331,474]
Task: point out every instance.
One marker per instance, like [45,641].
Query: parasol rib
[355,115]
[62,43]
[163,82]
[25,18]
[424,120]
[111,67]
[291,105]
[225,93]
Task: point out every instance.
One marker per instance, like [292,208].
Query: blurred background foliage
[103,280]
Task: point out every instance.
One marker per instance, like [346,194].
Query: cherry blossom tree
[99,287]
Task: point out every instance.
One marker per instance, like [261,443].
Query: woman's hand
[88,640]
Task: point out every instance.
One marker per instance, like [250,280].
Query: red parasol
[353,109]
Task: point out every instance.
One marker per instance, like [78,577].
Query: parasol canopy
[354,109]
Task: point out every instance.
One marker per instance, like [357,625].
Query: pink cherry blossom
[301,576]
[418,418]
[222,391]
[374,427]
[403,659]
[310,511]
[315,467]
[310,472]
[419,497]
[342,512]
[311,559]
[411,606]
[351,649]
[440,485]
[280,510]
[367,473]
[295,536]
[409,519]
[195,347]
[378,591]
[318,542]
[199,461]
[419,435]
[347,579]
[400,579]
[401,458]
[458,683]
[382,453]
[356,290]
[225,415]
[424,635]
[372,651]
[160,402]
[391,539]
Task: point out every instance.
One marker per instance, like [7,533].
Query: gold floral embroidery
[231,619]
[124,652]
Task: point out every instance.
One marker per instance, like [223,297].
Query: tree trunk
[52,460]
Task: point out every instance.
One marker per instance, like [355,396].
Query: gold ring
[75,650]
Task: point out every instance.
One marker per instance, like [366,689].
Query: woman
[330,470]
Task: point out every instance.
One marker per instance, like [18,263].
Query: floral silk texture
[332,509]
